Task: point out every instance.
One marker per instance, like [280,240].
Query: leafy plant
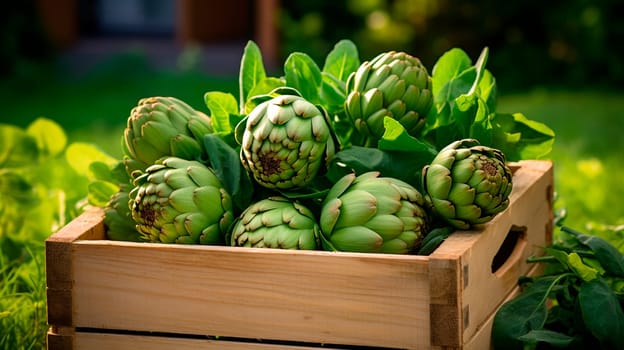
[43,183]
[577,303]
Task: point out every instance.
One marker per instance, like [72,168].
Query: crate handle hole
[510,250]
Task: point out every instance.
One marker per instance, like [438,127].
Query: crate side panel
[480,289]
[106,341]
[319,297]
[530,211]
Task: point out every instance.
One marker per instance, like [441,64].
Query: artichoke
[286,142]
[118,220]
[372,214]
[276,222]
[467,183]
[181,201]
[393,84]
[161,127]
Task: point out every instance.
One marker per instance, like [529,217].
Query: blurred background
[85,63]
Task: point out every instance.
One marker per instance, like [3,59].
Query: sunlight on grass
[587,150]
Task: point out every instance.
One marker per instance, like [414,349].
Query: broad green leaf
[602,313]
[521,138]
[608,256]
[17,148]
[50,137]
[556,339]
[396,138]
[227,166]
[303,74]
[448,67]
[332,93]
[251,72]
[404,166]
[16,187]
[221,106]
[80,155]
[342,60]
[457,86]
[586,273]
[100,192]
[481,128]
[522,314]
[101,171]
[263,87]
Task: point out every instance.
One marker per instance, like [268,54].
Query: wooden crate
[105,294]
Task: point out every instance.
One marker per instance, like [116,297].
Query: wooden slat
[318,297]
[100,341]
[59,274]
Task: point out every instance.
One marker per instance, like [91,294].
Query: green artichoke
[468,183]
[393,84]
[286,142]
[161,127]
[372,214]
[276,222]
[181,201]
[118,220]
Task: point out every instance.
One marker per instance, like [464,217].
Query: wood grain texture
[319,297]
[445,300]
[95,341]
[59,272]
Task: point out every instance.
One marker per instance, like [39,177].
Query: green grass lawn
[94,109]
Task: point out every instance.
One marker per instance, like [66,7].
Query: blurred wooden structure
[196,22]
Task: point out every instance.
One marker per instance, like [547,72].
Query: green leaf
[332,93]
[264,87]
[80,155]
[602,313]
[50,137]
[303,74]
[396,138]
[449,67]
[521,138]
[586,273]
[226,164]
[342,60]
[221,106]
[251,72]
[433,239]
[608,256]
[556,339]
[101,171]
[487,90]
[404,166]
[480,69]
[522,314]
[17,148]
[100,192]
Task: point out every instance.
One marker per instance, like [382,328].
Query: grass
[587,150]
[94,108]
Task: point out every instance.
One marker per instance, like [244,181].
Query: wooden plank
[104,341]
[59,274]
[317,297]
[482,338]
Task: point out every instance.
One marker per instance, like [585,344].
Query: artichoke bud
[180,201]
[276,222]
[467,183]
[373,214]
[286,142]
[396,76]
[162,127]
[118,220]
